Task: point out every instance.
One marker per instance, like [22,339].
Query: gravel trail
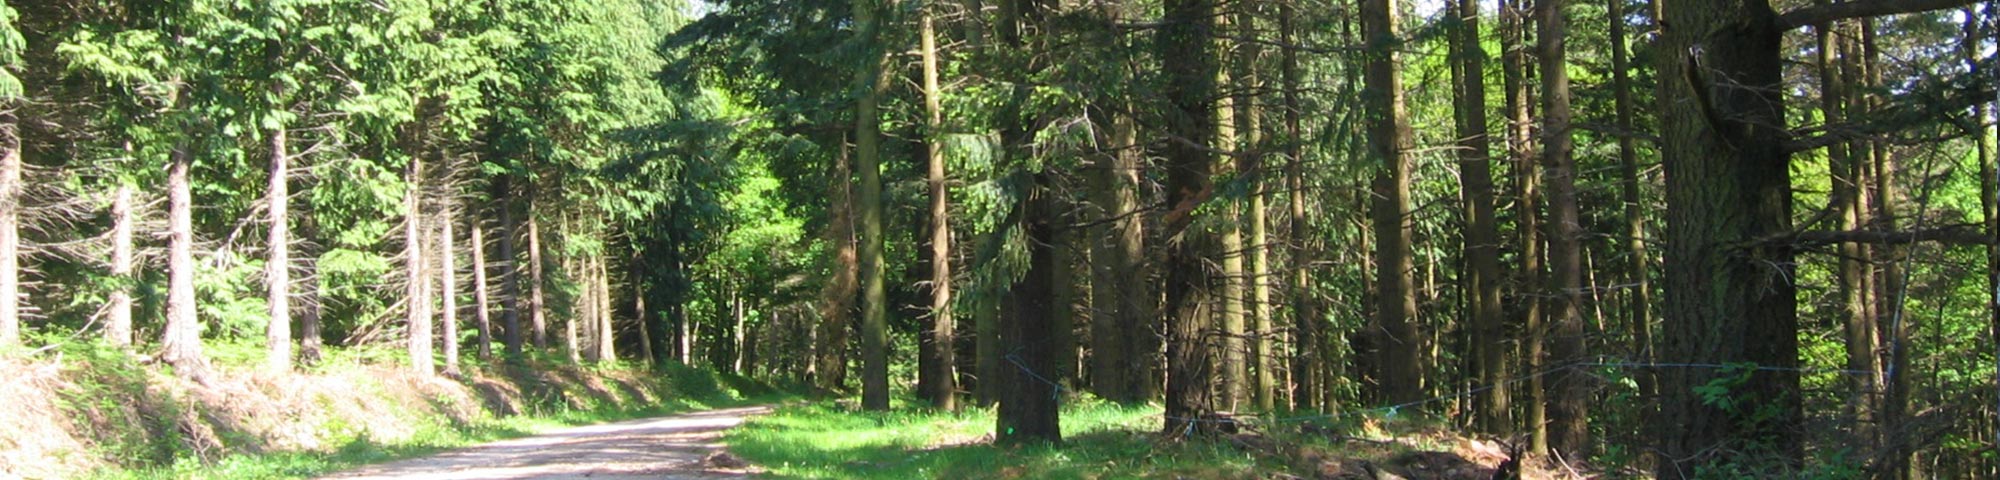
[677,447]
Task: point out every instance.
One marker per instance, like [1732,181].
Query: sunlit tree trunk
[1482,237]
[1639,284]
[580,306]
[180,342]
[1569,417]
[941,382]
[1852,270]
[537,298]
[607,334]
[447,244]
[10,225]
[867,146]
[837,313]
[1306,367]
[1989,198]
[1389,144]
[1232,358]
[1520,147]
[415,296]
[1262,382]
[482,305]
[278,264]
[118,321]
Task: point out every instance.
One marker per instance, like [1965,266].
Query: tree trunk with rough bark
[510,275]
[537,298]
[180,342]
[481,304]
[1728,182]
[837,313]
[10,226]
[416,290]
[118,321]
[1191,65]
[940,381]
[1482,237]
[1569,414]
[1307,370]
[278,263]
[1389,144]
[447,246]
[868,170]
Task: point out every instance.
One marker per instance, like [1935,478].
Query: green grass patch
[832,440]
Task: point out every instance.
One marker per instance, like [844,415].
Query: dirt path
[674,447]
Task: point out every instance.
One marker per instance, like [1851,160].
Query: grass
[830,440]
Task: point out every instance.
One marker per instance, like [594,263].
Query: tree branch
[1821,14]
[1904,114]
[1951,235]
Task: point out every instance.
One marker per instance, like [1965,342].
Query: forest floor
[677,447]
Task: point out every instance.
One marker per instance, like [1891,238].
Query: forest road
[677,447]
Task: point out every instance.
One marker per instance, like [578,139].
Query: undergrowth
[832,440]
[116,417]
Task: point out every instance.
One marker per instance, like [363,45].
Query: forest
[1640,238]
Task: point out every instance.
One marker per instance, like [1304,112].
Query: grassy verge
[830,440]
[100,413]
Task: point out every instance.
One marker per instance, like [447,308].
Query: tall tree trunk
[309,329]
[1123,365]
[537,297]
[1520,146]
[1028,409]
[941,380]
[1305,322]
[1639,289]
[837,316]
[986,344]
[447,245]
[1065,293]
[1111,364]
[1482,236]
[1892,285]
[482,306]
[1389,144]
[1231,344]
[278,265]
[118,325]
[180,342]
[10,226]
[510,276]
[1730,298]
[607,333]
[1032,322]
[642,318]
[1190,63]
[579,309]
[1989,199]
[1847,194]
[1569,415]
[1258,292]
[868,155]
[418,284]
[737,319]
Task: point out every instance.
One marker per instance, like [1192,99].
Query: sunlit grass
[831,440]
